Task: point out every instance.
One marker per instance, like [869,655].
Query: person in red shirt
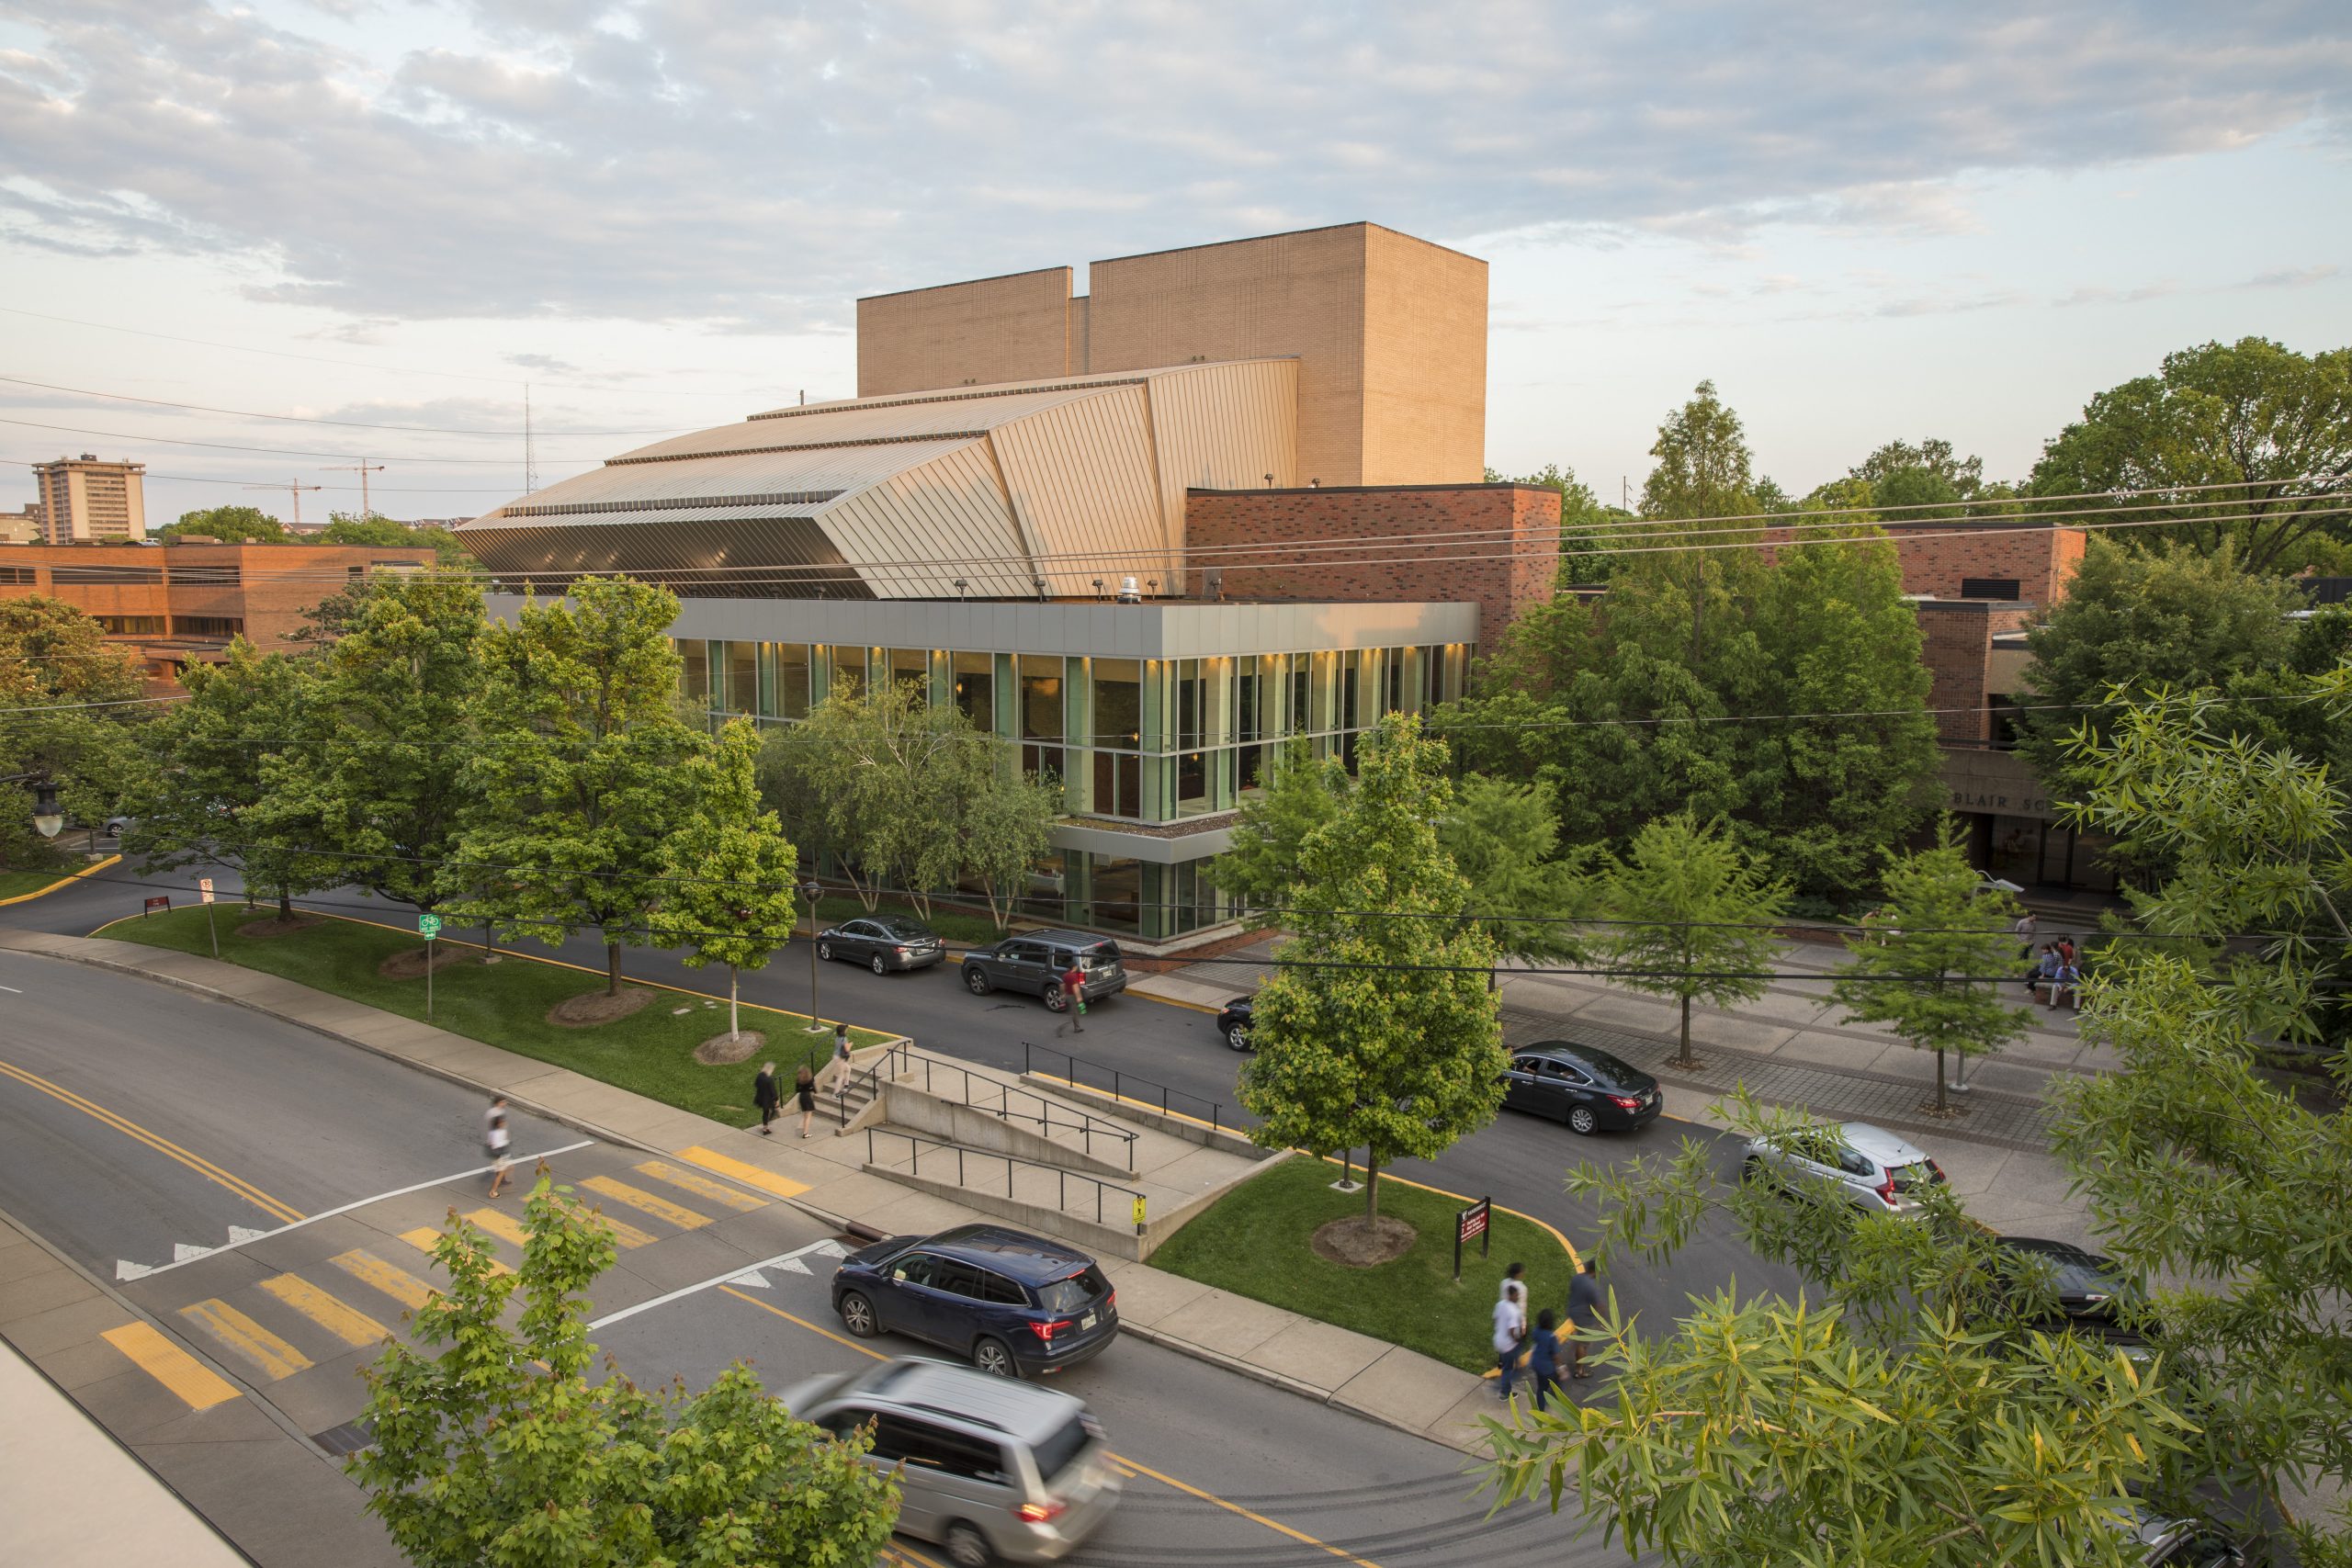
[1073,999]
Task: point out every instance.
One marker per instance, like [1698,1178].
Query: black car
[2074,1290]
[1019,1305]
[1584,1086]
[1034,962]
[1233,1023]
[881,942]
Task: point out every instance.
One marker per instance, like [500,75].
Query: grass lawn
[955,925]
[649,1052]
[1254,1242]
[13,883]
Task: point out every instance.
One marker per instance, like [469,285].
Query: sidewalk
[824,1177]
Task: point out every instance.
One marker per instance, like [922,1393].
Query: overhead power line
[284,451]
[215,479]
[305,418]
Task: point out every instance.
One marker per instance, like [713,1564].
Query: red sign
[160,901]
[1473,1222]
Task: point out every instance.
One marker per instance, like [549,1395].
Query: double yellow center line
[284,1213]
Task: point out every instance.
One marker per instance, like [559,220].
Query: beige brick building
[1389,333]
[84,500]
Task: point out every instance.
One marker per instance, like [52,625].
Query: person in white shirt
[497,1144]
[1510,1330]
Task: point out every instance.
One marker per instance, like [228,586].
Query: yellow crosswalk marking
[198,1384]
[265,1351]
[384,1277]
[425,1239]
[701,1186]
[749,1174]
[507,1228]
[660,1208]
[349,1325]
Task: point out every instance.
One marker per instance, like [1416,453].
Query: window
[1075,1293]
[911,665]
[130,625]
[694,657]
[742,675]
[22,575]
[914,1269]
[792,680]
[976,688]
[1000,1290]
[849,672]
[1117,886]
[1118,702]
[958,1279]
[224,573]
[117,574]
[2002,588]
[1301,689]
[209,626]
[1057,1452]
[923,1446]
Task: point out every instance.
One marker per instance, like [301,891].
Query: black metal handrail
[1121,1082]
[916,1145]
[1085,1126]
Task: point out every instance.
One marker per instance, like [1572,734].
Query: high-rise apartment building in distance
[24,528]
[85,500]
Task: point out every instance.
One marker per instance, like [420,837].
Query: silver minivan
[991,1468]
[1869,1166]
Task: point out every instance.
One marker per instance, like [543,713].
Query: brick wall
[1956,644]
[1420,546]
[2042,559]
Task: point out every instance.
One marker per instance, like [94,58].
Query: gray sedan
[881,942]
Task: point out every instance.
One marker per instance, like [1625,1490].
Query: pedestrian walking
[1587,1303]
[804,1085]
[1516,1272]
[841,1055]
[1544,1356]
[766,1096]
[1073,1000]
[497,1144]
[1510,1331]
[2023,931]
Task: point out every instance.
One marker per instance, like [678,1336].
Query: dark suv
[1018,1304]
[1035,961]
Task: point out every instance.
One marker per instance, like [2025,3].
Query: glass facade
[1143,741]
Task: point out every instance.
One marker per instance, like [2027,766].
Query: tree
[210,792]
[1376,1029]
[230,525]
[1697,916]
[1006,828]
[1504,838]
[1928,480]
[2271,425]
[389,714]
[70,713]
[383,534]
[1703,466]
[2203,1171]
[732,897]
[1262,865]
[501,1448]
[1590,530]
[1934,967]
[581,767]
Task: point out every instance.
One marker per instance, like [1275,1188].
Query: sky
[1861,224]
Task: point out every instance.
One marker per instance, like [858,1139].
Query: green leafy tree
[381,533]
[388,713]
[1697,913]
[1703,468]
[70,714]
[1261,867]
[501,1449]
[215,788]
[230,525]
[579,769]
[1923,482]
[1933,964]
[2272,424]
[1589,530]
[732,899]
[1005,828]
[1377,1029]
[1505,839]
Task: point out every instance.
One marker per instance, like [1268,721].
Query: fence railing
[1087,1127]
[917,1146]
[1171,1101]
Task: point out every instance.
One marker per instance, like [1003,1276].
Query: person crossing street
[1073,983]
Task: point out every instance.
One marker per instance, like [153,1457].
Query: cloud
[736,162]
[2108,294]
[2295,277]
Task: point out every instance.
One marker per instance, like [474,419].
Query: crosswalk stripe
[198,1385]
[425,1239]
[354,1327]
[660,1208]
[507,1228]
[385,1278]
[749,1174]
[701,1186]
[274,1356]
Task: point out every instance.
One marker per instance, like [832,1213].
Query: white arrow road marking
[793,1264]
[124,1268]
[239,1235]
[832,1248]
[182,1253]
[754,1279]
[782,1261]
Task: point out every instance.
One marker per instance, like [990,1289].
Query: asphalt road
[134,1117]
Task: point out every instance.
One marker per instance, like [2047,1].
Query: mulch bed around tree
[273,926]
[1353,1243]
[719,1050]
[410,965]
[588,1010]
[1952,1112]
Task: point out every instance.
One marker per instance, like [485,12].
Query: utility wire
[380,489]
[305,419]
[283,451]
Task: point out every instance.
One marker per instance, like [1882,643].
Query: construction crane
[296,491]
[363,469]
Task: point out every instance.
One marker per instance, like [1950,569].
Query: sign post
[160,903]
[1138,1213]
[1468,1222]
[431,926]
[204,890]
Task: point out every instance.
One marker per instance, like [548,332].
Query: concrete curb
[66,881]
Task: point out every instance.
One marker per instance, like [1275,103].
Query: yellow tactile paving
[384,1277]
[652,1204]
[425,1239]
[351,1325]
[265,1351]
[198,1385]
[749,1174]
[700,1186]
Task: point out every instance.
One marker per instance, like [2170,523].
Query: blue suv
[1018,1306]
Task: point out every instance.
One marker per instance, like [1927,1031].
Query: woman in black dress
[804,1084]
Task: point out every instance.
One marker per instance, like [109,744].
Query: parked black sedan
[1233,1023]
[1584,1086]
[2061,1287]
[882,943]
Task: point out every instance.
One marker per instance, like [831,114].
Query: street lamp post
[48,818]
[809,889]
